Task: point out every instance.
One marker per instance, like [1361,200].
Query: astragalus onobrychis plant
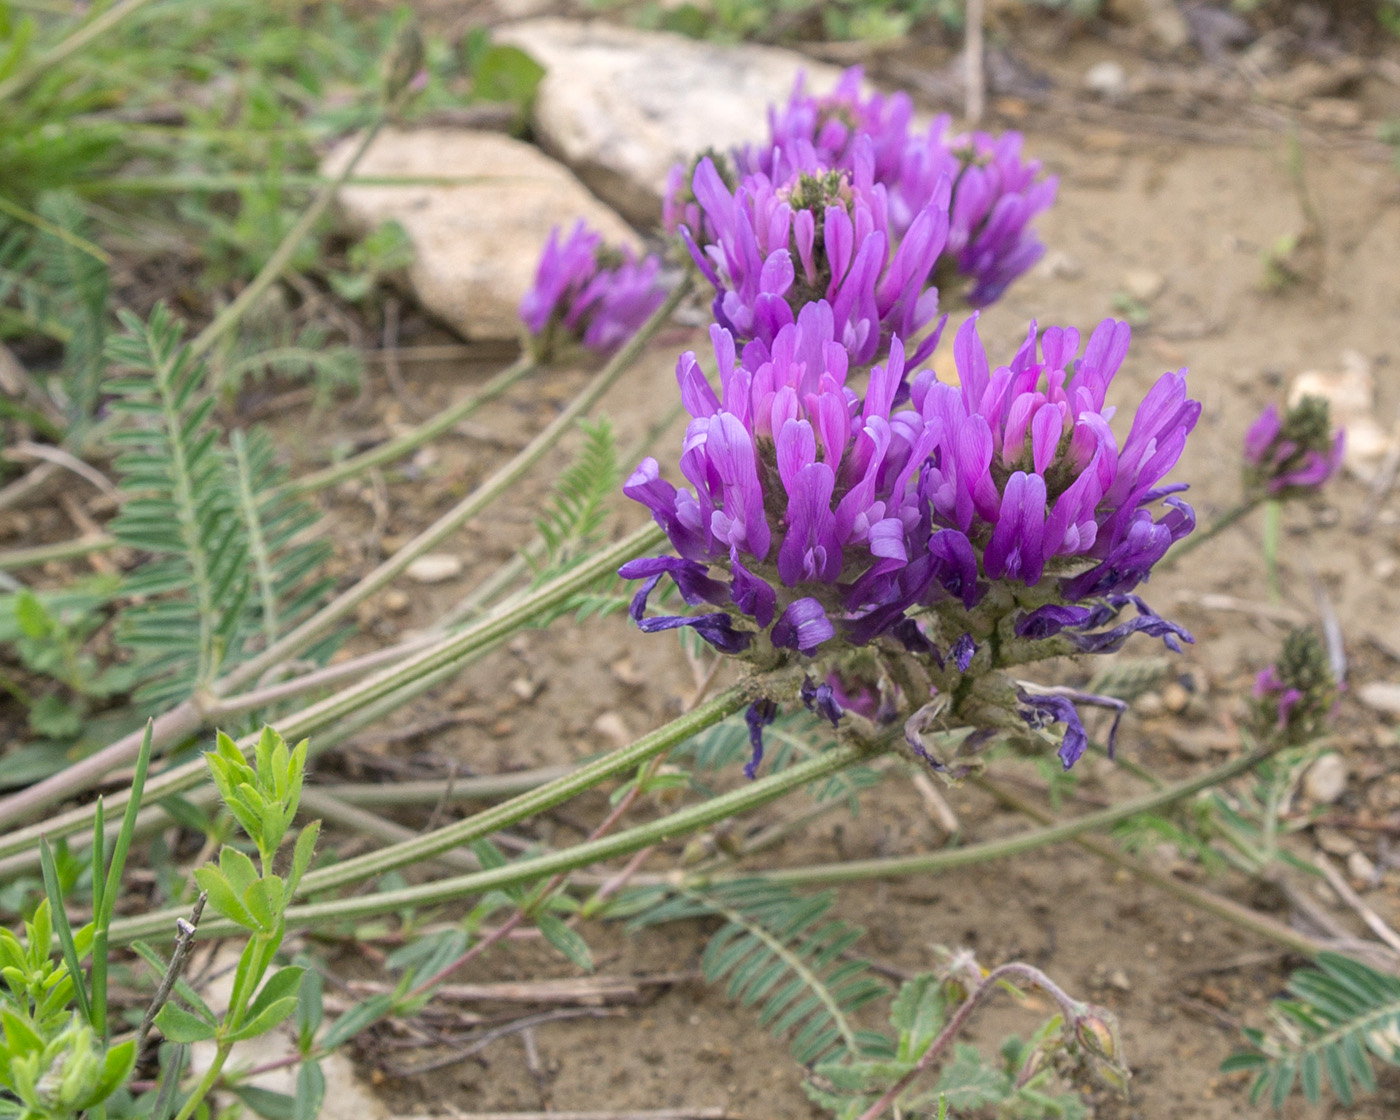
[878,557]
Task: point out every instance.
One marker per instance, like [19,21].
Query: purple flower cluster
[991,193]
[818,234]
[587,293]
[1294,452]
[786,435]
[841,519]
[852,517]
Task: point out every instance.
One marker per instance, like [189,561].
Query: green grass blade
[62,928]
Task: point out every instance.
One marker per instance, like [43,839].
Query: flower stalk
[748,797]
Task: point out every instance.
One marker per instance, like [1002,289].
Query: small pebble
[396,601]
[1175,697]
[1333,841]
[1380,696]
[435,567]
[1360,869]
[501,728]
[1326,780]
[1119,979]
[525,688]
[1144,285]
[627,673]
[611,726]
[1108,79]
[1150,704]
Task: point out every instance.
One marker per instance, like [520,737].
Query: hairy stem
[682,823]
[853,870]
[439,658]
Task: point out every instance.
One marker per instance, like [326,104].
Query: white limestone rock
[620,106]
[476,242]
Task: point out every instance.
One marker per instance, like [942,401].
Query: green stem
[62,550]
[927,863]
[439,658]
[207,1082]
[748,797]
[401,445]
[1211,531]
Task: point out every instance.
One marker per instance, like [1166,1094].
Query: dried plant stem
[61,550]
[184,942]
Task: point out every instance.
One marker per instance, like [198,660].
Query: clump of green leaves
[1018,1083]
[263,799]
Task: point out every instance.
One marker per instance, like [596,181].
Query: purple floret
[772,245]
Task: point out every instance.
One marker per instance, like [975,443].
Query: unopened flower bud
[71,1065]
[1101,1049]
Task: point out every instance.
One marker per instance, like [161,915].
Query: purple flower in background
[1027,468]
[590,294]
[1292,453]
[1296,696]
[995,194]
[772,246]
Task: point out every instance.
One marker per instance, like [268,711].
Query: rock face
[620,106]
[476,243]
